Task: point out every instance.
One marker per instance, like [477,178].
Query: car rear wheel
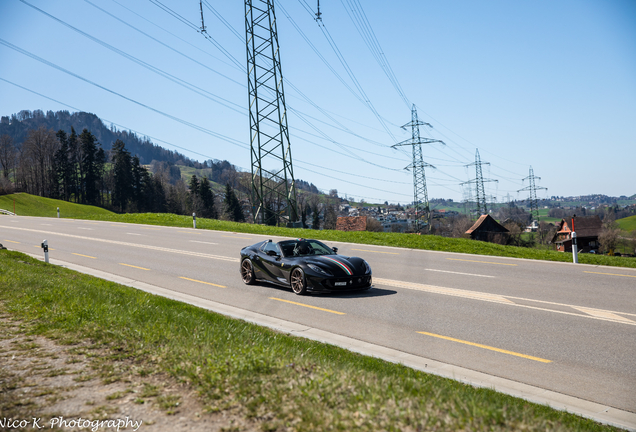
[298,281]
[247,272]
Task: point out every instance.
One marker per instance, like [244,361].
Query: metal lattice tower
[479,183]
[419,177]
[532,188]
[273,185]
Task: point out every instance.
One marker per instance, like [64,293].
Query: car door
[271,258]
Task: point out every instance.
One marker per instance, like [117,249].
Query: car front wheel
[247,272]
[298,281]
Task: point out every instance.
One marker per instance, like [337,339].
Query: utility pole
[273,185]
[318,14]
[419,177]
[202,23]
[532,188]
[479,183]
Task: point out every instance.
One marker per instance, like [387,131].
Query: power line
[360,21]
[235,107]
[227,139]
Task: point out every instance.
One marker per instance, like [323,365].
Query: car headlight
[367,269]
[319,269]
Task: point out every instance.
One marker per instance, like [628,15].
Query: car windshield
[299,248]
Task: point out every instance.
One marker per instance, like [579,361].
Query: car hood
[339,265]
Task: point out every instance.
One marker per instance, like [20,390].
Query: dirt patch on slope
[67,385]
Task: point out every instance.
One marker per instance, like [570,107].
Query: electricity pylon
[534,207]
[273,185]
[479,183]
[418,165]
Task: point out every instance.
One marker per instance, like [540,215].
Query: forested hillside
[18,125]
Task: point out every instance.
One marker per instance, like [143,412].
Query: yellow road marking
[307,306]
[487,347]
[40,247]
[207,283]
[366,250]
[128,265]
[610,274]
[85,256]
[11,241]
[485,262]
[245,238]
[155,229]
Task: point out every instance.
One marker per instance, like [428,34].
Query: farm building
[587,229]
[488,229]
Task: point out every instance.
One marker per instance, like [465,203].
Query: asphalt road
[562,327]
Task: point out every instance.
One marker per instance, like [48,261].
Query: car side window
[271,246]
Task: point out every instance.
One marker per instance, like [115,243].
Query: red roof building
[587,229]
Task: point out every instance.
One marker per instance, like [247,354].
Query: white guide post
[45,246]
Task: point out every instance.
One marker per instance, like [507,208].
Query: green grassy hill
[627,224]
[31,205]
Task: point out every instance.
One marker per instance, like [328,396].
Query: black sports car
[304,265]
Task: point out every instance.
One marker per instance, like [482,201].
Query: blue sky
[547,84]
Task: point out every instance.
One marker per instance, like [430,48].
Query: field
[627,224]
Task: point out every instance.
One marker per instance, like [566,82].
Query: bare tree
[610,234]
[331,218]
[8,154]
[374,225]
[459,225]
[515,231]
[37,161]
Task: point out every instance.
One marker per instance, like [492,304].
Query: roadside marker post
[58,212]
[194,220]
[45,246]
[575,249]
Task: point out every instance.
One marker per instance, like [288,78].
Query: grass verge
[426,242]
[282,382]
[37,206]
[31,205]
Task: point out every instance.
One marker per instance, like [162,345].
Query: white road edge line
[157,248]
[595,411]
[459,273]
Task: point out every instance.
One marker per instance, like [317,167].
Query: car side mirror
[272,253]
[335,249]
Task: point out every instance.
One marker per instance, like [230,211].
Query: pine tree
[75,157]
[195,200]
[207,199]
[89,167]
[232,206]
[122,176]
[316,218]
[63,168]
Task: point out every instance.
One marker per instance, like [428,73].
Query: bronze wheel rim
[246,271]
[297,281]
